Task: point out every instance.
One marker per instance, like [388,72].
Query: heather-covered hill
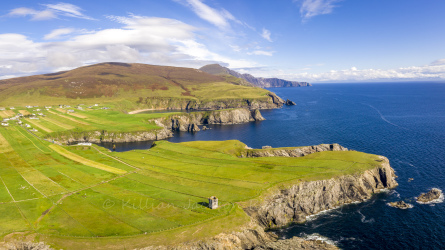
[133,86]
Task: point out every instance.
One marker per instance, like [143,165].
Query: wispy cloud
[51,11]
[58,33]
[266,35]
[311,8]
[219,18]
[261,53]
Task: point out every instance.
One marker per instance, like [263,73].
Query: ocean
[402,121]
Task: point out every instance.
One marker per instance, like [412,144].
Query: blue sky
[303,40]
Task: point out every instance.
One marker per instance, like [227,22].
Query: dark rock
[433,194]
[290,103]
[400,204]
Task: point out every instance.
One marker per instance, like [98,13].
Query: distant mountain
[216,69]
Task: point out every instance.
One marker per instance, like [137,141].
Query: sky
[303,40]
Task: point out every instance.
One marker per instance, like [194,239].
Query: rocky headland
[216,69]
[294,204]
[176,122]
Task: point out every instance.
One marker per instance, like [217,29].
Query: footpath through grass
[63,193]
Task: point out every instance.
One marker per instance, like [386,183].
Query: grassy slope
[162,191]
[125,85]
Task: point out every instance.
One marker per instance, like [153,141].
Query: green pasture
[89,192]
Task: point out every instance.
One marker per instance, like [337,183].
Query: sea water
[402,121]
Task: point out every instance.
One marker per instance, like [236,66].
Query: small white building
[96,105]
[5,124]
[48,107]
[27,125]
[28,107]
[11,108]
[34,118]
[213,202]
[70,111]
[1,109]
[84,144]
[19,122]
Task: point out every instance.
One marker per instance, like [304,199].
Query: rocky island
[400,204]
[432,196]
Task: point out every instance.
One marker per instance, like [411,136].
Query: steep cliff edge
[190,121]
[269,101]
[291,152]
[294,204]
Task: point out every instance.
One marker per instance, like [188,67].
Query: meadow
[74,195]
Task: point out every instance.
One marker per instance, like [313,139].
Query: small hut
[213,202]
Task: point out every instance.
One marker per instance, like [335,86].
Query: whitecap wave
[316,236]
[438,200]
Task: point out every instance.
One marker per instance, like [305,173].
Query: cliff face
[183,122]
[308,198]
[190,122]
[292,152]
[216,69]
[271,101]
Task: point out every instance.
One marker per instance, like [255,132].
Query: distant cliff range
[247,79]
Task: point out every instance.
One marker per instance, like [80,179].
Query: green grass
[89,192]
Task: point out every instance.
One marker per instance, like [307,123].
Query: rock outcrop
[291,152]
[308,198]
[290,103]
[400,204]
[432,195]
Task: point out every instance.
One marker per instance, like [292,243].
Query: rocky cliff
[271,101]
[291,152]
[216,69]
[190,121]
[308,198]
[178,122]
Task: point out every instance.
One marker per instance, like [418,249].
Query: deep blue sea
[402,121]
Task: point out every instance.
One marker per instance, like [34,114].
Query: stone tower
[213,202]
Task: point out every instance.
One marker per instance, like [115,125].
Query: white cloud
[219,18]
[311,8]
[433,71]
[261,53]
[58,33]
[266,35]
[160,41]
[52,11]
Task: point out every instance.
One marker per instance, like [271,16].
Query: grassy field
[71,195]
